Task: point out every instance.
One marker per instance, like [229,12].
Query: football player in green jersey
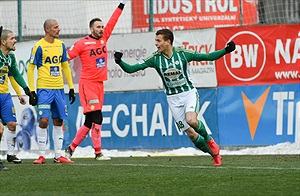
[9,71]
[171,63]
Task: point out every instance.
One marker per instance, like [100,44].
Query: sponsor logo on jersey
[54,71]
[53,59]
[98,51]
[93,101]
[89,43]
[100,62]
[172,73]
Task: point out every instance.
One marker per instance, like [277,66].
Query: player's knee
[88,121]
[191,119]
[11,126]
[192,122]
[97,117]
[93,117]
[43,123]
[1,128]
[57,122]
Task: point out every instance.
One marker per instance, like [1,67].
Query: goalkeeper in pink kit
[92,51]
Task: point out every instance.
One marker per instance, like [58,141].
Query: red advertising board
[263,55]
[190,14]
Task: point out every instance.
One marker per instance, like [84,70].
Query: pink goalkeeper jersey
[93,52]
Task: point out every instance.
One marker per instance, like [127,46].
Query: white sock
[10,140]
[58,138]
[42,140]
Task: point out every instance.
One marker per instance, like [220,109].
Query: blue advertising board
[134,120]
[234,116]
[258,115]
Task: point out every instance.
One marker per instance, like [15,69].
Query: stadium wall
[248,98]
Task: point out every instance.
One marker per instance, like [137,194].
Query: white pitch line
[191,167]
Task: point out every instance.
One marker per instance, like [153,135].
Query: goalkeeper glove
[118,56]
[72,96]
[230,47]
[122,4]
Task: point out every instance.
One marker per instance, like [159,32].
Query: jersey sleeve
[35,59]
[208,57]
[109,27]
[30,76]
[75,50]
[36,56]
[66,67]
[15,85]
[65,56]
[13,71]
[67,72]
[17,76]
[143,64]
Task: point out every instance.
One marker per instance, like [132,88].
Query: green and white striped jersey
[8,66]
[174,71]
[6,62]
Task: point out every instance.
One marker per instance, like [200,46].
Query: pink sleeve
[109,27]
[75,50]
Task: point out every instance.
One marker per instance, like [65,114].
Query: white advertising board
[136,47]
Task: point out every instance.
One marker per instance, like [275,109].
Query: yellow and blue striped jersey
[50,59]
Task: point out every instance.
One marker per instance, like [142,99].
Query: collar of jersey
[93,37]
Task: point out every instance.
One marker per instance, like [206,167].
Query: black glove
[122,4]
[72,96]
[34,99]
[32,96]
[27,91]
[118,56]
[230,47]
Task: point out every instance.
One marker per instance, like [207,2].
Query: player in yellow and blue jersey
[8,69]
[50,58]
[2,167]
[9,114]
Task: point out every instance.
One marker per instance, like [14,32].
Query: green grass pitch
[156,175]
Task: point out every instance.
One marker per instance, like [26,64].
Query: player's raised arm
[127,67]
[216,54]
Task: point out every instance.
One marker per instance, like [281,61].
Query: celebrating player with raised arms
[171,63]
